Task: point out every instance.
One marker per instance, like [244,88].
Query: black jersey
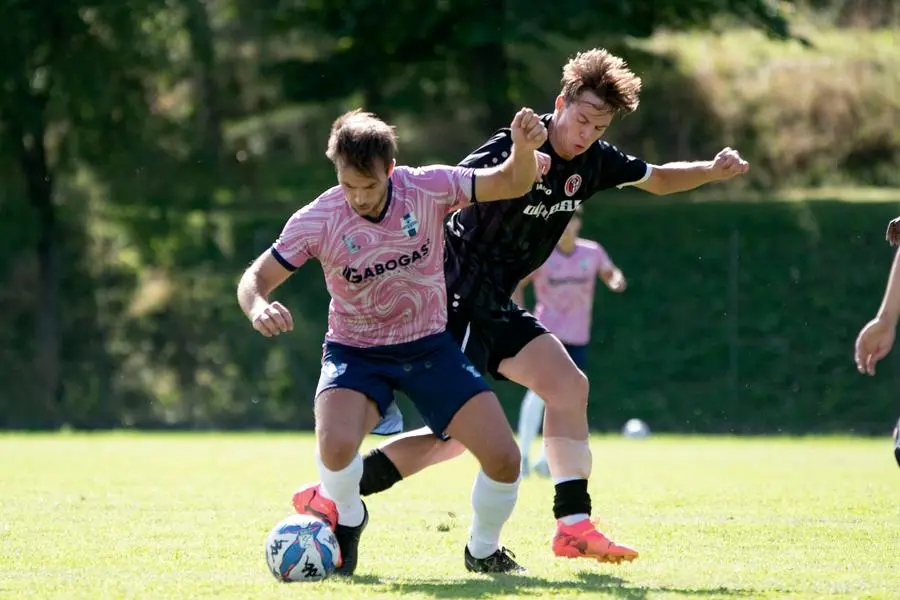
[491,247]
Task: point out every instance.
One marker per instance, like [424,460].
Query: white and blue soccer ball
[636,429]
[302,548]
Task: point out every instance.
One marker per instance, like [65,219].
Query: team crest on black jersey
[573,184]
[409,225]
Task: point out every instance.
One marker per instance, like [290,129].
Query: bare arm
[890,304]
[259,280]
[876,338]
[517,174]
[511,179]
[674,177]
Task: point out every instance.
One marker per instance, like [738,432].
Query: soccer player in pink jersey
[876,339]
[564,292]
[379,238]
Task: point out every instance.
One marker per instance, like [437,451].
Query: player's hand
[873,343]
[273,319]
[617,282]
[893,232]
[728,163]
[528,131]
[543,165]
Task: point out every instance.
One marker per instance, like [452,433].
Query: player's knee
[503,464]
[337,448]
[581,387]
[568,391]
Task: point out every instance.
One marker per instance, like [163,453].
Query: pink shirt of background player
[564,289]
[386,278]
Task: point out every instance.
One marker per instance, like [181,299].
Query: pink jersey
[564,288]
[386,278]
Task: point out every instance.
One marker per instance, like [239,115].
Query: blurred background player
[564,289]
[379,238]
[877,337]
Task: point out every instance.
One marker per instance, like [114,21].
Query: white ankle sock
[343,488]
[493,503]
[572,519]
[530,416]
[558,480]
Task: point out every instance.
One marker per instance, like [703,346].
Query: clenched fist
[728,163]
[528,131]
[273,319]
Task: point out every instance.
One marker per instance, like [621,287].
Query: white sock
[343,488]
[530,416]
[572,519]
[493,503]
[558,480]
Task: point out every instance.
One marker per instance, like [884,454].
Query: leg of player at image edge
[897,442]
[336,501]
[576,536]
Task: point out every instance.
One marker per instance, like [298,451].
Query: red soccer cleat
[309,500]
[582,540]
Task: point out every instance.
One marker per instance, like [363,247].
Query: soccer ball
[635,428]
[302,548]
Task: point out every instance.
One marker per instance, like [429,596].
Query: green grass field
[185,516]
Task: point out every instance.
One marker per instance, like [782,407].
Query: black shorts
[489,337]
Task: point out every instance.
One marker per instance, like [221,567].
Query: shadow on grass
[524,586]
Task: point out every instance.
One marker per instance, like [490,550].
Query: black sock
[379,473]
[571,498]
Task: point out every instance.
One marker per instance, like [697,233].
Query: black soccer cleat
[500,561]
[897,442]
[348,540]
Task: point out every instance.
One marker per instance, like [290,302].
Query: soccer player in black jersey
[877,337]
[489,248]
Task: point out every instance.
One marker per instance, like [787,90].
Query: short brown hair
[360,140]
[604,74]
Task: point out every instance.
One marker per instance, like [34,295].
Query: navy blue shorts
[578,354]
[432,371]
